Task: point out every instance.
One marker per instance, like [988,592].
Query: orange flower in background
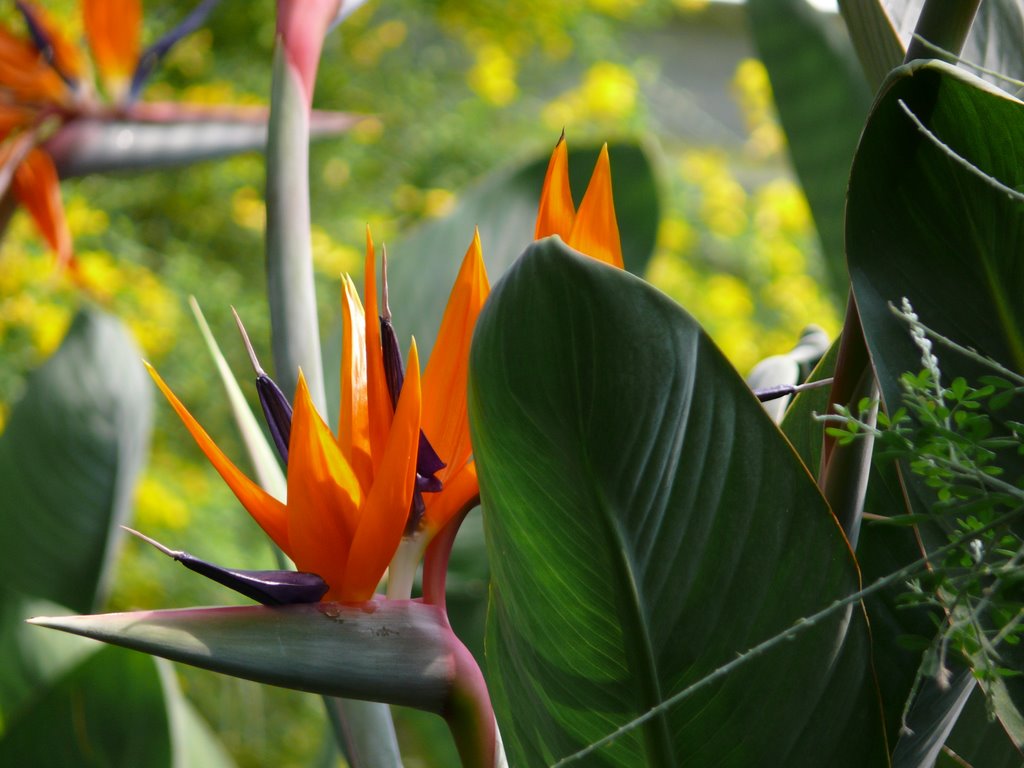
[353,496]
[593,229]
[44,85]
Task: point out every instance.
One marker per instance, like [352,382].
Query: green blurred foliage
[452,91]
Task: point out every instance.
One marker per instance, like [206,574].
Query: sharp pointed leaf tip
[248,344]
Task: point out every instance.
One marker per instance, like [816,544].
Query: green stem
[945,25]
[295,332]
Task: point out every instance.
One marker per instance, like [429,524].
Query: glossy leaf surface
[85,418]
[108,710]
[933,217]
[646,523]
[924,226]
[393,651]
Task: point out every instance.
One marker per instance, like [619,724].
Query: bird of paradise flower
[46,84]
[399,468]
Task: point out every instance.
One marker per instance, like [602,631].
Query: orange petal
[383,519]
[265,509]
[445,418]
[460,488]
[595,231]
[13,116]
[25,73]
[323,494]
[379,400]
[67,58]
[354,414]
[37,187]
[113,28]
[556,213]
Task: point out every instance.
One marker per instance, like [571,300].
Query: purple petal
[278,412]
[42,42]
[266,587]
[154,53]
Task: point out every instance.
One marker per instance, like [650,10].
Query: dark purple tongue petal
[394,368]
[278,413]
[42,42]
[276,408]
[153,54]
[428,463]
[267,587]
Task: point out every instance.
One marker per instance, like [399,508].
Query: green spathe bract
[646,522]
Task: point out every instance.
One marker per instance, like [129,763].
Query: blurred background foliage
[452,91]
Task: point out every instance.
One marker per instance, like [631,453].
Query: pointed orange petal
[445,418]
[596,232]
[24,72]
[67,58]
[14,116]
[459,489]
[383,519]
[113,28]
[323,494]
[556,213]
[265,509]
[354,413]
[379,400]
[37,187]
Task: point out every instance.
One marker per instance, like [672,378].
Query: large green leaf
[106,711]
[822,98]
[423,265]
[933,216]
[646,522]
[923,225]
[57,706]
[68,462]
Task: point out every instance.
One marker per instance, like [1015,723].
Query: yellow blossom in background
[37,304]
[331,258]
[493,76]
[248,209]
[609,90]
[619,9]
[607,95]
[739,256]
[438,202]
[753,92]
[676,235]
